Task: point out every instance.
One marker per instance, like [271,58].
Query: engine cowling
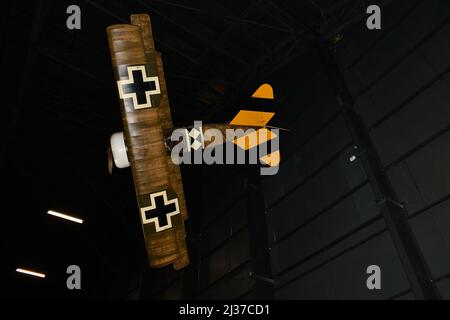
[119,150]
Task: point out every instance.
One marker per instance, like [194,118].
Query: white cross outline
[188,138]
[133,95]
[153,206]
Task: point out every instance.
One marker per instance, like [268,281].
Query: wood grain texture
[152,169]
[165,118]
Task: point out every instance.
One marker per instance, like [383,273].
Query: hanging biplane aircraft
[147,122]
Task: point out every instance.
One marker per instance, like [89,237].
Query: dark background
[307,233]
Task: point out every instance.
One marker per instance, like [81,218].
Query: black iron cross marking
[138,87]
[160,211]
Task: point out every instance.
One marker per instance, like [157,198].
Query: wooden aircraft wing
[146,116]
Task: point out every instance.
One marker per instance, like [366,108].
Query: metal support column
[394,213]
[258,240]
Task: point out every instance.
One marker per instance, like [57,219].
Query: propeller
[110,160]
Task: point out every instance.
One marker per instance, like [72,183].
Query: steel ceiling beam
[223,16]
[294,22]
[221,50]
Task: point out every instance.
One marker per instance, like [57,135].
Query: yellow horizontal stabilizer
[265,91]
[252,118]
[272,159]
[254,138]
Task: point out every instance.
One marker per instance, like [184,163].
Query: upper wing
[146,115]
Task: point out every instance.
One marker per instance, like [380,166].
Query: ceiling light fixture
[31,273]
[64,216]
